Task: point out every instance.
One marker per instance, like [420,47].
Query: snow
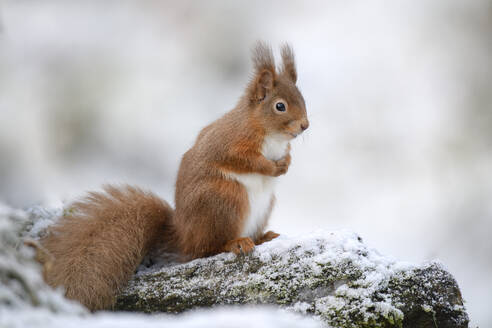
[40,219]
[245,317]
[341,247]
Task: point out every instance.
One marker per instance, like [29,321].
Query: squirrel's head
[273,95]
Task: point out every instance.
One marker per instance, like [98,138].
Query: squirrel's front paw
[240,246]
[282,165]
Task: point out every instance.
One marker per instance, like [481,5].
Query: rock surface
[331,275]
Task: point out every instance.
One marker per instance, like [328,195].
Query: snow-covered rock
[330,275]
[21,284]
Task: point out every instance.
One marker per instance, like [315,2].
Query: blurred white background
[398,95]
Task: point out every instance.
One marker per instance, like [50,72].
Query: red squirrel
[224,194]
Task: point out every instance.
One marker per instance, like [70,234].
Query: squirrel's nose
[304,125]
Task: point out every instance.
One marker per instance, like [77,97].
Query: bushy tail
[99,244]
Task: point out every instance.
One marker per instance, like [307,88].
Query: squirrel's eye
[280,106]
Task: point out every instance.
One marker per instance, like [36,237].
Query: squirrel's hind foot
[240,246]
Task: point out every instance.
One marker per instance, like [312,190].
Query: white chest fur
[260,187]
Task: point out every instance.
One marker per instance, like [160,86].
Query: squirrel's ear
[264,84]
[288,63]
[264,64]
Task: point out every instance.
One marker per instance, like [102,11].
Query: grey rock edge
[330,275]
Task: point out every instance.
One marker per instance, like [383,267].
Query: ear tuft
[288,63]
[263,57]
